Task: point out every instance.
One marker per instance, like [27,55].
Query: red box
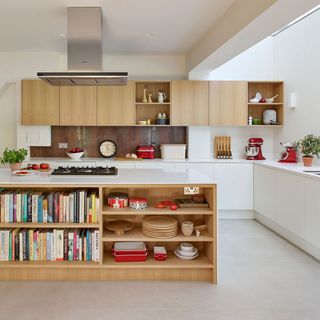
[145,152]
[130,257]
[131,251]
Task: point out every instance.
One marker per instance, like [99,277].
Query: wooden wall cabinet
[190,103]
[116,105]
[40,103]
[78,106]
[228,103]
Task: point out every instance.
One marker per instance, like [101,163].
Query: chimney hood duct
[84,53]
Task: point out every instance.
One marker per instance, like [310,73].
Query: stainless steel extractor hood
[84,53]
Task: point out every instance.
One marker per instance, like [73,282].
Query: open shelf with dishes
[204,242]
[149,105]
[202,262]
[275,106]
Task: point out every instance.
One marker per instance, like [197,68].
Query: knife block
[222,147]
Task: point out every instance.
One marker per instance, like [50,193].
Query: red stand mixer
[254,149]
[290,154]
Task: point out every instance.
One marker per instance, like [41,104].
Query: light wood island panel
[202,268]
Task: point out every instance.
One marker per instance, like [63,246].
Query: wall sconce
[292,100]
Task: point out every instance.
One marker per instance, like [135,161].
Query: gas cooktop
[85,171]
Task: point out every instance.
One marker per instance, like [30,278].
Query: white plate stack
[186,251]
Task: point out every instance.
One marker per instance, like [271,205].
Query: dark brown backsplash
[126,139]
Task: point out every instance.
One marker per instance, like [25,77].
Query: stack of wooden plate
[161,227]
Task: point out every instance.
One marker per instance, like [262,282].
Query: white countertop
[114,160]
[294,168]
[125,176]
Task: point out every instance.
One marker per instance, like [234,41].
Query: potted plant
[14,158]
[310,146]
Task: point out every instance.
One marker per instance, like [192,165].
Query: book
[56,207]
[14,209]
[50,207]
[65,245]
[19,207]
[29,207]
[70,245]
[59,245]
[45,208]
[40,207]
[96,246]
[10,207]
[61,208]
[31,245]
[34,204]
[2,208]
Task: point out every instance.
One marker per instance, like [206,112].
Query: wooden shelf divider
[45,225]
[137,235]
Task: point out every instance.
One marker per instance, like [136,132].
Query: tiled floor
[261,277]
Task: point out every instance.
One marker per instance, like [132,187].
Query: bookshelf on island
[58,232]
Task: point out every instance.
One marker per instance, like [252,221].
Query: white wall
[256,63]
[297,62]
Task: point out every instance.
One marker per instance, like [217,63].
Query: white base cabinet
[312,211]
[235,186]
[264,191]
[154,165]
[205,168]
[291,203]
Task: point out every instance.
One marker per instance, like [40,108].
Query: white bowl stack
[186,251]
[187,228]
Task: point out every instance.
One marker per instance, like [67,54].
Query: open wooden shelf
[151,125]
[267,125]
[156,103]
[154,211]
[49,264]
[267,89]
[174,268]
[48,225]
[266,104]
[146,110]
[136,235]
[201,262]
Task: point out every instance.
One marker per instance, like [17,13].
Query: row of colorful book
[78,206]
[49,245]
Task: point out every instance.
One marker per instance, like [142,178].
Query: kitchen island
[155,185]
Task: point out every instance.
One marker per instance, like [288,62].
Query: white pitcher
[161,97]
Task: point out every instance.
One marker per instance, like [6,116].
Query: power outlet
[191,190]
[63,145]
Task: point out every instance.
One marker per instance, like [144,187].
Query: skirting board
[290,236]
[236,214]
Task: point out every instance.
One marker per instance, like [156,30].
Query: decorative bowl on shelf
[75,155]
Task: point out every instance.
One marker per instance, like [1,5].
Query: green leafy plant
[309,145]
[13,156]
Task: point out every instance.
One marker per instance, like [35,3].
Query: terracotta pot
[15,166]
[307,161]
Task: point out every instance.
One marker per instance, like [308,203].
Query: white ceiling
[176,25]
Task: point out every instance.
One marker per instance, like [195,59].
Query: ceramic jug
[161,97]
